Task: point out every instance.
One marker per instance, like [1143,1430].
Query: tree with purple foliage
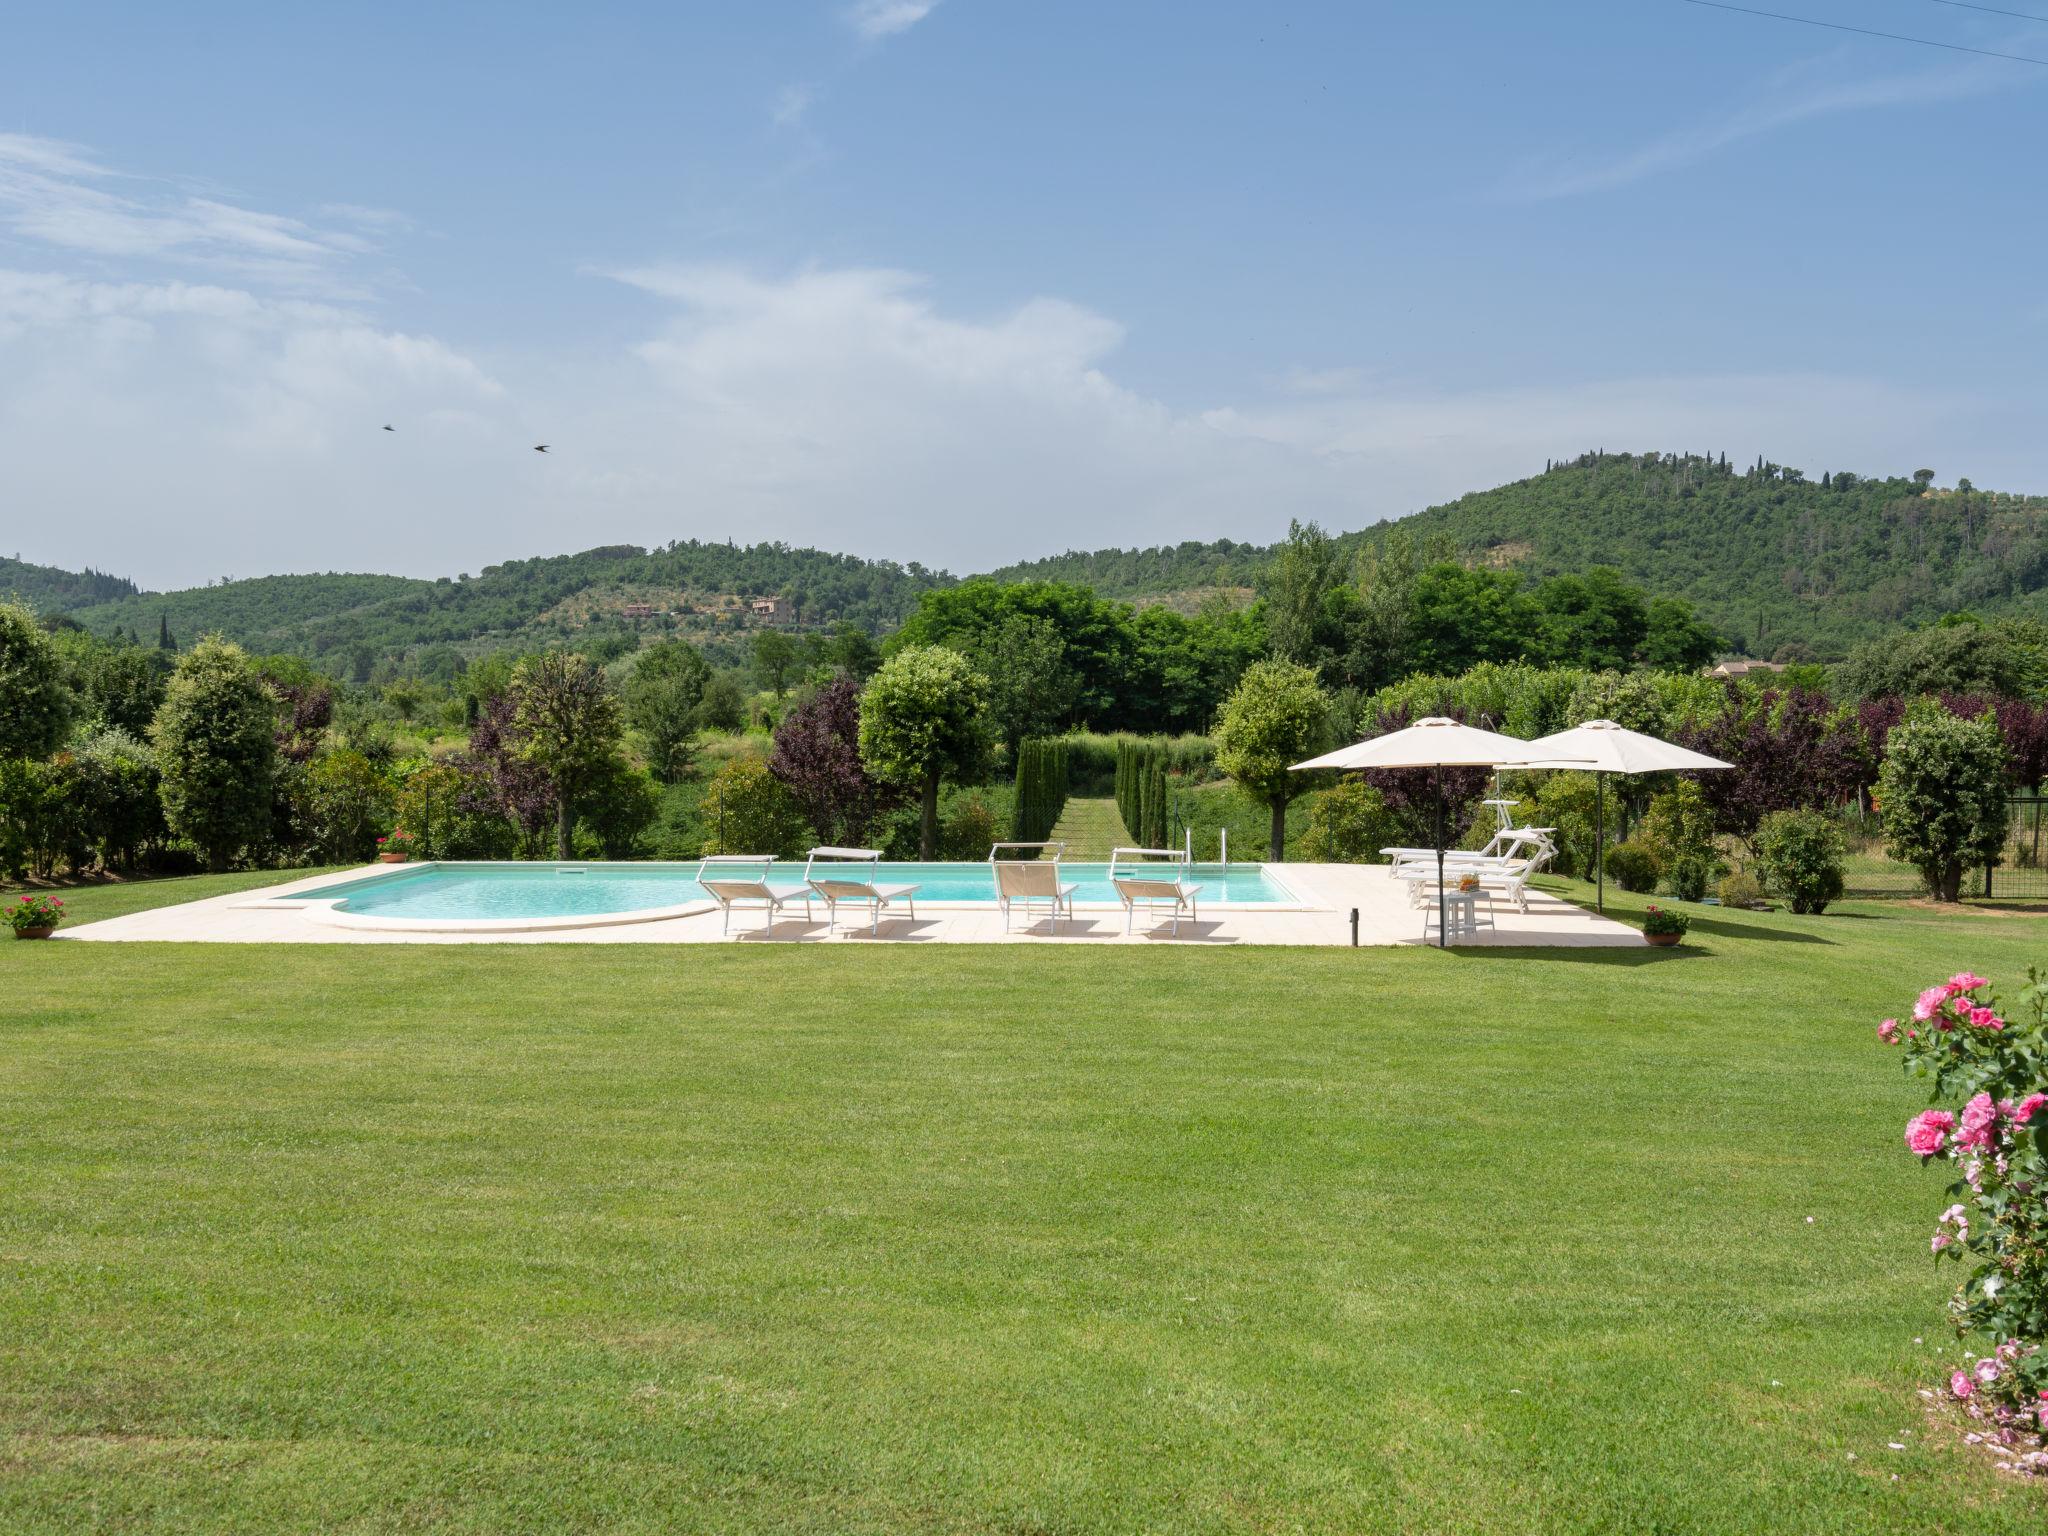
[566,722]
[505,783]
[817,758]
[304,711]
[1410,793]
[2022,726]
[1791,750]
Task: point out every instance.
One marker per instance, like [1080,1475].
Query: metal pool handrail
[1059,849]
[1173,856]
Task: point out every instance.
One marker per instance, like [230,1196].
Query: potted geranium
[35,917]
[1664,927]
[396,848]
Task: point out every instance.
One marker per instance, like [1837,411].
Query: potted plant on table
[1664,927]
[35,917]
[396,848]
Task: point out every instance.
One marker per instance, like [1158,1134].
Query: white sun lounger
[848,874]
[1136,889]
[1031,883]
[724,877]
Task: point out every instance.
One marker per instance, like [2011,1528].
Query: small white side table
[1460,911]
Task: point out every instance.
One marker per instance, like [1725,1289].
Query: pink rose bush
[1991,1068]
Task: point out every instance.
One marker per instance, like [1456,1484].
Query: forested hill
[44,587]
[1192,569]
[1770,557]
[522,600]
[1767,555]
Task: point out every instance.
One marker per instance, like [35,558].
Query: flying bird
[389,428]
[540,447]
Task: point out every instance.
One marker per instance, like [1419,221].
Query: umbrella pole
[1443,901]
[1600,839]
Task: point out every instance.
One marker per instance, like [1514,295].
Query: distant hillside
[1168,569]
[536,599]
[1767,555]
[44,587]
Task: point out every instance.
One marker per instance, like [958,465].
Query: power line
[1989,10]
[1895,37]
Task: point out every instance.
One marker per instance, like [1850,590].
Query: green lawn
[831,1238]
[1090,827]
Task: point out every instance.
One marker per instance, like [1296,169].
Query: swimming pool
[540,892]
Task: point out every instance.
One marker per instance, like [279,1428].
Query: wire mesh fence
[2021,869]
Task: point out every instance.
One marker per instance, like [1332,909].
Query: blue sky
[969,281]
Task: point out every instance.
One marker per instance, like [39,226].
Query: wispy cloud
[790,104]
[874,19]
[843,407]
[55,194]
[1794,95]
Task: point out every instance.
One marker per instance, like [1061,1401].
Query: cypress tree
[164,642]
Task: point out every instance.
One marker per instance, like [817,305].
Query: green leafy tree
[723,707]
[1963,657]
[1347,824]
[1277,716]
[1594,620]
[122,801]
[746,809]
[1463,617]
[1675,639]
[35,705]
[1941,795]
[1799,855]
[567,723]
[217,751]
[662,694]
[775,661]
[852,650]
[351,805]
[923,717]
[1308,601]
[1032,689]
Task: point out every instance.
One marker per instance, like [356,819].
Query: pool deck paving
[1326,894]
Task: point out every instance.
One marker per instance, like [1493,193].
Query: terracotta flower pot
[33,933]
[1662,940]
[390,858]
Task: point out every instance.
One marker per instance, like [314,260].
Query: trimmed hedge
[1041,789]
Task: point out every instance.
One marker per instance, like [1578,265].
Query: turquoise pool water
[451,891]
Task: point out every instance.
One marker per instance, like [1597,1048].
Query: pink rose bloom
[1926,1131]
[1967,981]
[1979,1116]
[1961,1385]
[1939,1241]
[1984,1018]
[2028,1108]
[1888,1031]
[2041,1411]
[1954,1213]
[1987,1371]
[1927,1002]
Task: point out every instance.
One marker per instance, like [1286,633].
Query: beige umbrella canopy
[1601,747]
[1439,743]
[1434,742]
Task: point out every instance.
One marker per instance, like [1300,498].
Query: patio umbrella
[1602,747]
[1435,743]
